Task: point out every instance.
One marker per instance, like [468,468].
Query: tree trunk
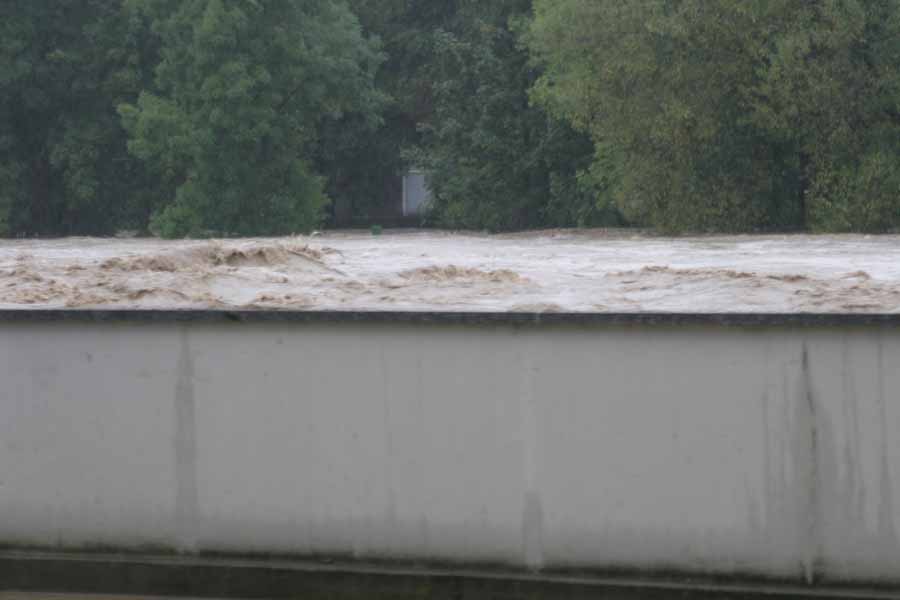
[40,197]
[804,188]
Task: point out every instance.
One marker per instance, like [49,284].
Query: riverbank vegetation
[259,117]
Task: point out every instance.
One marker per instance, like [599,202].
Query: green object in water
[376,229]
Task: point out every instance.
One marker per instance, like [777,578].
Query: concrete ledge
[149,575]
[456,318]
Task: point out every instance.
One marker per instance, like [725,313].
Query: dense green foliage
[239,117]
[459,82]
[733,114]
[183,116]
[495,161]
[363,164]
[64,168]
[241,89]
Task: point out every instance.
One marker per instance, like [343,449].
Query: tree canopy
[496,161]
[240,91]
[733,115]
[64,167]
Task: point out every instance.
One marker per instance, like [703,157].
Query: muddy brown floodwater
[548,271]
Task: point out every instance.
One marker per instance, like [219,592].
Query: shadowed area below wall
[58,576]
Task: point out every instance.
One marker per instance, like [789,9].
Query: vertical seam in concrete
[532,511]
[854,508]
[386,394]
[768,487]
[186,500]
[813,508]
[886,527]
[422,458]
[768,490]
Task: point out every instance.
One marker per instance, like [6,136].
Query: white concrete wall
[766,450]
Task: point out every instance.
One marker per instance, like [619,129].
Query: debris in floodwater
[454,273]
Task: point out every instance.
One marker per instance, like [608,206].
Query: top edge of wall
[456,318]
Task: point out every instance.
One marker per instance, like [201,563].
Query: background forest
[264,117]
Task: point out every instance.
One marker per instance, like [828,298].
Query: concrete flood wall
[721,445]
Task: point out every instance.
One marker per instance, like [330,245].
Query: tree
[657,84]
[495,161]
[64,168]
[363,164]
[241,92]
[729,114]
[831,88]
